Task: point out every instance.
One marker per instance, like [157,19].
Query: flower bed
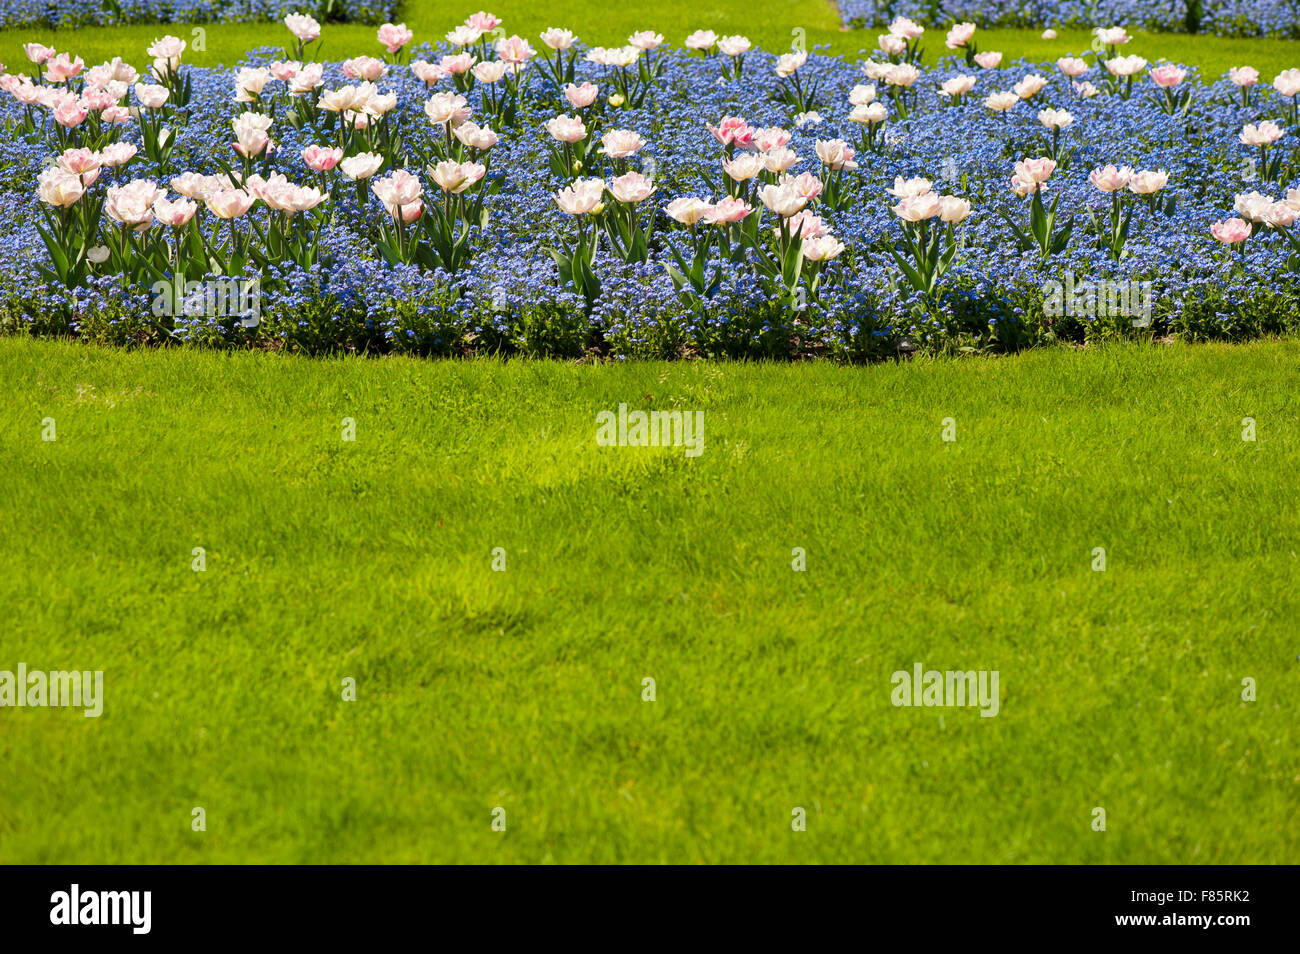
[482,196]
[1279,18]
[75,13]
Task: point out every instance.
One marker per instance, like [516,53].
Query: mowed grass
[772,27]
[522,689]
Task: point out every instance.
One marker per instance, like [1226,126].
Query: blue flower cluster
[1279,18]
[75,13]
[510,297]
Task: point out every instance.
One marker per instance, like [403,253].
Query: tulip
[1148,183]
[567,129]
[904,27]
[631,188]
[918,208]
[1001,102]
[621,143]
[366,68]
[399,188]
[688,210]
[490,72]
[1167,76]
[59,188]
[953,209]
[394,36]
[862,95]
[1072,66]
[456,177]
[174,213]
[789,63]
[783,200]
[1030,86]
[822,248]
[701,40]
[908,188]
[322,158]
[582,197]
[836,153]
[957,87]
[779,160]
[475,136]
[1264,134]
[959,36]
[464,36]
[580,97]
[558,39]
[770,137]
[229,203]
[151,96]
[988,60]
[1230,231]
[733,46]
[1243,75]
[361,166]
[1055,118]
[1111,36]
[483,22]
[303,27]
[515,50]
[1110,179]
[744,167]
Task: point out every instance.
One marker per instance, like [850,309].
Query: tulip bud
[616,100]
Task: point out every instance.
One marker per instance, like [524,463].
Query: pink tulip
[117,154]
[582,197]
[687,210]
[1167,76]
[1035,170]
[631,188]
[1266,133]
[394,36]
[733,131]
[364,68]
[1148,183]
[959,36]
[174,213]
[285,70]
[361,166]
[1072,66]
[303,27]
[37,53]
[1110,179]
[567,129]
[1230,231]
[322,158]
[483,22]
[580,97]
[515,50]
[59,188]
[400,188]
[988,60]
[70,114]
[621,143]
[1244,75]
[229,203]
[456,177]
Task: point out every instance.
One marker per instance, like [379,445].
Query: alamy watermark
[651,429]
[82,690]
[213,298]
[950,688]
[1102,299]
[76,907]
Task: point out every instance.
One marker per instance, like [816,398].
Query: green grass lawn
[522,689]
[770,27]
